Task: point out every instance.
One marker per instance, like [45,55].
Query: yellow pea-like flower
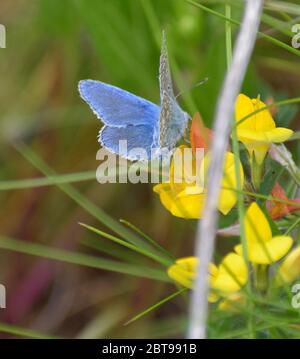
[232,274]
[186,198]
[259,130]
[289,270]
[262,248]
[225,280]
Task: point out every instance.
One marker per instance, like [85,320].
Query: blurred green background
[51,45]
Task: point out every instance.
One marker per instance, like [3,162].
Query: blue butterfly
[127,117]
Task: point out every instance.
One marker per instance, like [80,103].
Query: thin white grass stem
[208,225]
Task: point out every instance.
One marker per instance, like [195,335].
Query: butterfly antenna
[196,85]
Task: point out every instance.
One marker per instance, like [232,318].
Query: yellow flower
[228,198]
[259,130]
[262,248]
[232,274]
[186,198]
[225,280]
[289,270]
[231,277]
[183,271]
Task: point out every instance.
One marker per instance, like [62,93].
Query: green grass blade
[85,260]
[293,226]
[80,199]
[283,6]
[296,136]
[146,253]
[235,22]
[155,306]
[112,250]
[23,332]
[46,181]
[282,26]
[149,239]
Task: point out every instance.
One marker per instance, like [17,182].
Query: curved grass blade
[155,306]
[112,250]
[23,332]
[146,253]
[235,22]
[46,181]
[148,238]
[80,199]
[85,260]
[292,226]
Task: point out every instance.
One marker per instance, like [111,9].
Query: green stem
[238,23]
[228,34]
[256,173]
[261,278]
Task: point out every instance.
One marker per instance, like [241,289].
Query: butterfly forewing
[116,107]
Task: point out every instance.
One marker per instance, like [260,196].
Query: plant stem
[256,173]
[207,227]
[261,278]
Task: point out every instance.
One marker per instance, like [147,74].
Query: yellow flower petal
[188,205]
[227,201]
[275,135]
[262,248]
[182,170]
[243,107]
[228,197]
[263,120]
[260,152]
[257,227]
[259,130]
[279,134]
[267,252]
[246,135]
[165,194]
[289,270]
[183,271]
[186,200]
[232,274]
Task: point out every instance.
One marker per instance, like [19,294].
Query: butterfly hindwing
[136,137]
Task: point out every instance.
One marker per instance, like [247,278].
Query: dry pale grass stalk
[207,227]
